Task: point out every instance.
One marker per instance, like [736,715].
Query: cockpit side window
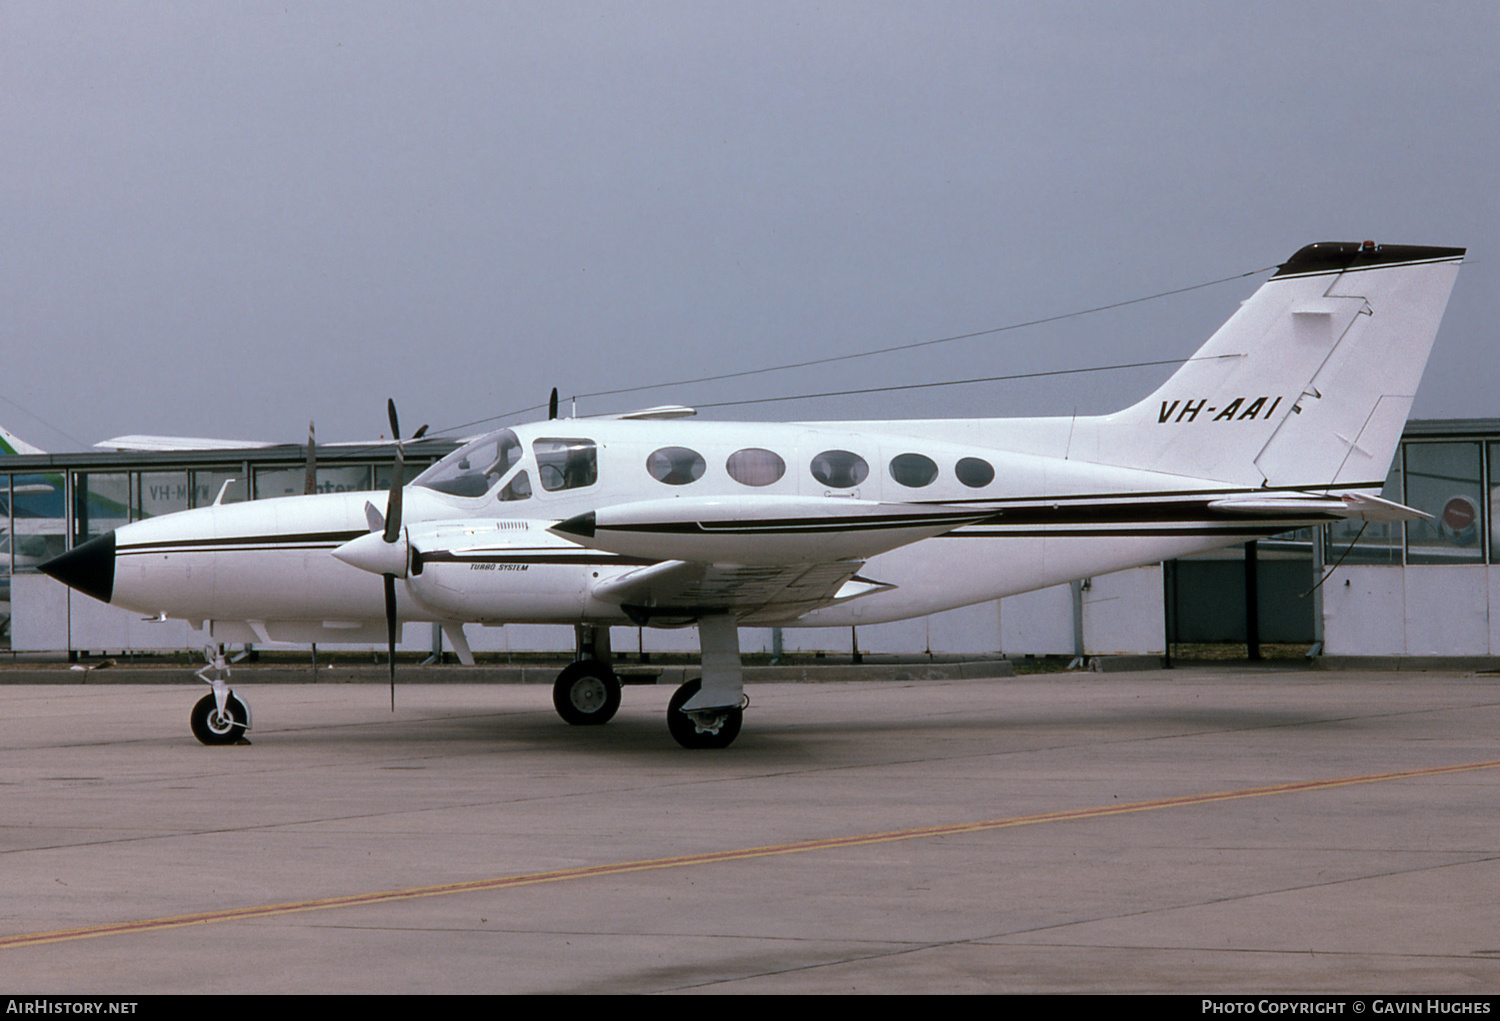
[474,468]
[565,463]
[518,488]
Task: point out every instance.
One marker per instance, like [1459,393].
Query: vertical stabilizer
[1309,384]
[10,443]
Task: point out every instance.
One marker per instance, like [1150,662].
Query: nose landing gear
[220,717]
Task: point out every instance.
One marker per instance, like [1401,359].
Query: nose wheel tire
[704,728]
[211,727]
[587,693]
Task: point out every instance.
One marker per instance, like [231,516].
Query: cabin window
[676,466]
[518,488]
[974,472]
[755,466]
[566,463]
[472,469]
[914,470]
[839,469]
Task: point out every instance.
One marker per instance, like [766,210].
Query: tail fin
[10,443]
[1309,384]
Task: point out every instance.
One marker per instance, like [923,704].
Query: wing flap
[679,591]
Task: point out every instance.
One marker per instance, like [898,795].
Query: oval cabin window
[914,470]
[755,466]
[839,469]
[676,466]
[974,472]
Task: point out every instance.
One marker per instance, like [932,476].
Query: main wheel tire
[718,732]
[587,693]
[212,728]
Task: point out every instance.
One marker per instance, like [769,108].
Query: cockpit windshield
[474,468]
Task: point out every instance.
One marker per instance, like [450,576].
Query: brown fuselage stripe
[619,868]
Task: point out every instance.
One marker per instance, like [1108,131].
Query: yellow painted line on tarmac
[711,857]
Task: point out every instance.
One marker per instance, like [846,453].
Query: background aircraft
[1288,416]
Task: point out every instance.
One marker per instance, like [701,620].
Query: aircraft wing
[760,559]
[144,443]
[679,590]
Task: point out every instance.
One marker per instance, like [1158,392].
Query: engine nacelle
[499,571]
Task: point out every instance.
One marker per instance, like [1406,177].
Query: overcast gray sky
[225,219]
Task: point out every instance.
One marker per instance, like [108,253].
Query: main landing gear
[586,693]
[706,712]
[220,717]
[702,728]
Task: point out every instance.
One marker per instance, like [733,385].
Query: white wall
[1418,610]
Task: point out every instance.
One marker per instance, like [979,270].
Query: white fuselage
[271,561]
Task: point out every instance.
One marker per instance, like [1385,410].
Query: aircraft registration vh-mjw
[1288,416]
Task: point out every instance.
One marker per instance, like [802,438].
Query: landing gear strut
[220,717]
[708,712]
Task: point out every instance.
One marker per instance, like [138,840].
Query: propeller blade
[552,405]
[420,432]
[393,502]
[392,534]
[310,484]
[390,630]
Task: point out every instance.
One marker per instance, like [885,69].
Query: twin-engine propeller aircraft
[1288,416]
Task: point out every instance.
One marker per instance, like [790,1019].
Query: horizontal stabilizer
[1357,506]
[1290,506]
[1373,508]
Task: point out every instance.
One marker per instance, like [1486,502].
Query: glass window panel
[518,488]
[1443,479]
[565,463]
[676,466]
[1494,500]
[159,493]
[1379,542]
[206,486]
[914,470]
[5,524]
[101,502]
[5,561]
[409,472]
[472,469]
[974,472]
[271,482]
[344,478]
[840,469]
[755,466]
[38,522]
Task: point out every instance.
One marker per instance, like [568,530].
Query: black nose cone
[89,568]
[583,525]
